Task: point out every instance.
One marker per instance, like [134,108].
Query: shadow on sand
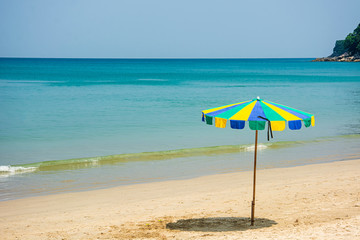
[219,224]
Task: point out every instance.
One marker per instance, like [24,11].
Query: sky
[174,28]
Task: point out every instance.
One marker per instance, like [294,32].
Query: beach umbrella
[258,113]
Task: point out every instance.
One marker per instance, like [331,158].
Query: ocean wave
[89,162]
[11,170]
[259,147]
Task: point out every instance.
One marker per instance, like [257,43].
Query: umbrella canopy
[257,112]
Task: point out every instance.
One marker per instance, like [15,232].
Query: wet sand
[319,201]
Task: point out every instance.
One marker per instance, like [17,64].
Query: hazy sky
[174,29]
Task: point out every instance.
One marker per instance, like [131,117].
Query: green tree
[339,48]
[352,41]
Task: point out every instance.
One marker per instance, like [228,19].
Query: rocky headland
[342,58]
[347,50]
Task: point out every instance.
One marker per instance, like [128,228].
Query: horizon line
[161,58]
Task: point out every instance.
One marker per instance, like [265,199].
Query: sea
[70,125]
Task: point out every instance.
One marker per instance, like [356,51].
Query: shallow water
[103,173]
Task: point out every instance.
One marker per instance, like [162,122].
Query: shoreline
[317,200]
[88,161]
[131,169]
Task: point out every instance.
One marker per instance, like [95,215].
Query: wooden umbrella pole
[254,182]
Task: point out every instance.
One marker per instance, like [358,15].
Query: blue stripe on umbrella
[295,124]
[256,112]
[237,124]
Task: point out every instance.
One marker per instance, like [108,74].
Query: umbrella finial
[258,98]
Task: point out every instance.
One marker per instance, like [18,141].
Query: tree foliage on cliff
[339,48]
[352,41]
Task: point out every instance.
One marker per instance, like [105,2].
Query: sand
[320,201]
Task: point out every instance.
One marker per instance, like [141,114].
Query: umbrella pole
[254,182]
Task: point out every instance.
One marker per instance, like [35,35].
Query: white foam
[10,170]
[92,162]
[252,147]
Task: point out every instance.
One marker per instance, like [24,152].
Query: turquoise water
[59,109]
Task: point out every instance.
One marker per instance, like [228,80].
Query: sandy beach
[320,201]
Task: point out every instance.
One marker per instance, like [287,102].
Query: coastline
[319,201]
[341,58]
[86,174]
